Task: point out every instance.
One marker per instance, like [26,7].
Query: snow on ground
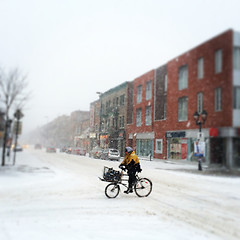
[59,196]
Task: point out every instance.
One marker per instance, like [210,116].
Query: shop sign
[175,134]
[213,132]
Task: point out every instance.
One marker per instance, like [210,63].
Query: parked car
[18,148]
[69,149]
[79,151]
[38,146]
[51,149]
[110,154]
[63,149]
[96,152]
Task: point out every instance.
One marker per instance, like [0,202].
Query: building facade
[94,124]
[155,116]
[204,78]
[140,128]
[113,115]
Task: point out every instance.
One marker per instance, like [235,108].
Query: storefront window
[144,147]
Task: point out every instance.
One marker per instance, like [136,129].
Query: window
[218,61]
[122,100]
[165,110]
[78,130]
[200,102]
[144,147]
[236,99]
[182,109]
[218,99]
[108,123]
[108,106]
[148,116]
[121,121]
[149,90]
[236,58]
[165,83]
[159,146]
[183,77]
[139,94]
[139,117]
[200,68]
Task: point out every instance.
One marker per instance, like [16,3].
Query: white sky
[70,49]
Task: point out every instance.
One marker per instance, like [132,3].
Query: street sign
[200,136]
[19,128]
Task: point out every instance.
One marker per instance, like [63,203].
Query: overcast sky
[70,49]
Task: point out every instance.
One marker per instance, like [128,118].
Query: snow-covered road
[59,196]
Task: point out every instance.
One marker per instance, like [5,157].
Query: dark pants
[132,176]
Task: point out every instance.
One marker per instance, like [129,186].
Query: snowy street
[59,196]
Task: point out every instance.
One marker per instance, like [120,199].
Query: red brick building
[204,78]
[140,128]
[198,79]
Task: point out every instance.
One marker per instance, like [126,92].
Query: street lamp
[199,122]
[203,117]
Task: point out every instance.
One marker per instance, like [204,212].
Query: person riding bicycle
[131,163]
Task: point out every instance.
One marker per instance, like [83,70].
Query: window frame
[148,117]
[165,82]
[236,98]
[183,109]
[218,99]
[218,61]
[122,100]
[139,117]
[139,93]
[200,68]
[160,151]
[148,90]
[236,58]
[183,77]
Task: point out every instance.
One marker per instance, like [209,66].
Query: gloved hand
[123,167]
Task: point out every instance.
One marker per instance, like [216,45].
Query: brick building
[140,128]
[159,106]
[204,78]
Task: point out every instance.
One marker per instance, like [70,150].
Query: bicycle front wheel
[112,190]
[143,187]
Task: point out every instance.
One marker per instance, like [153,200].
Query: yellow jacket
[129,157]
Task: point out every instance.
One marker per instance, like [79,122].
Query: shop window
[144,147]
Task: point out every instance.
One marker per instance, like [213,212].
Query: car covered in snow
[110,154]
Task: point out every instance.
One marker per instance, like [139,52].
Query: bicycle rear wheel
[112,190]
[143,187]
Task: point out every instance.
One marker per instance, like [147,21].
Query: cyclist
[131,163]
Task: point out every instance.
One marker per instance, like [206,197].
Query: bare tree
[12,94]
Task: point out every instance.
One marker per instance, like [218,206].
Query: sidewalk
[192,167]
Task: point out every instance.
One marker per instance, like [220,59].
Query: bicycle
[142,186]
